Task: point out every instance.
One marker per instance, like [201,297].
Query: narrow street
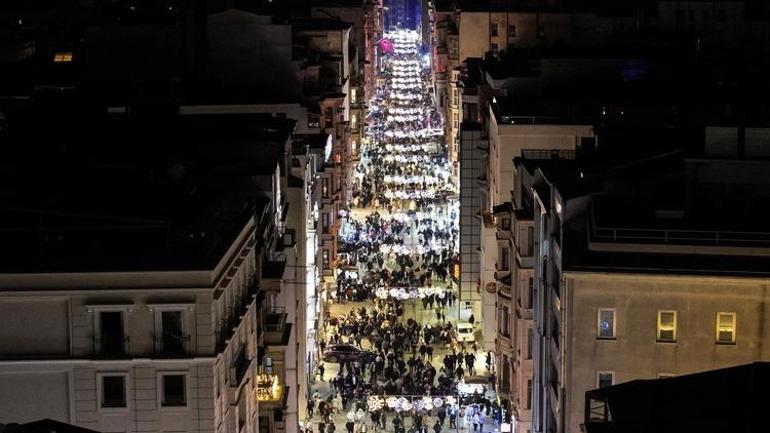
[399,352]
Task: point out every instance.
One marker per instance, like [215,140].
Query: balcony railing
[170,344]
[111,348]
[277,331]
[681,237]
[239,368]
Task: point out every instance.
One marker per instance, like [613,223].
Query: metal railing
[111,348]
[548,154]
[172,344]
[681,237]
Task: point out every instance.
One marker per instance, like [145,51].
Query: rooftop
[648,209]
[730,399]
[135,195]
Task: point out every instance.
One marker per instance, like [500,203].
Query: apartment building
[645,269]
[506,236]
[326,82]
[499,26]
[156,300]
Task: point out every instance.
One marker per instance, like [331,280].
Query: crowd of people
[398,243]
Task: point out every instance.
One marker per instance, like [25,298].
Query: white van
[465,332]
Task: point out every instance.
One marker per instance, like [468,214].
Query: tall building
[507,236]
[644,267]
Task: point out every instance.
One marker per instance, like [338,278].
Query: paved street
[399,351]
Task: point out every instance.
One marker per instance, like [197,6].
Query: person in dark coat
[441,414]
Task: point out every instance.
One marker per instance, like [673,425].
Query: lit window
[354,121]
[606,323]
[666,325]
[62,57]
[353,95]
[605,379]
[725,328]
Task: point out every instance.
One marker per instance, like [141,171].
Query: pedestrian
[441,413]
[437,427]
[321,427]
[471,319]
[453,416]
[321,370]
[330,427]
[310,407]
[349,426]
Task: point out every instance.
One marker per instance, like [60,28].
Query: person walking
[453,416]
[437,427]
[321,370]
[310,407]
[349,426]
[441,414]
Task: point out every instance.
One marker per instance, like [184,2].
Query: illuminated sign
[268,388]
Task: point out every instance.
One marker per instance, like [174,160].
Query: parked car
[347,353]
[465,332]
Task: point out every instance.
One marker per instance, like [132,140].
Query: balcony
[239,368]
[277,331]
[172,345]
[111,348]
[273,269]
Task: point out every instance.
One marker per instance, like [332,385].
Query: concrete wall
[635,353]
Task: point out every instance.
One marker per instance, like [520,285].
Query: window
[540,31]
[531,293]
[505,376]
[505,258]
[173,390]
[505,223]
[325,259]
[62,57]
[493,30]
[353,95]
[493,48]
[504,321]
[726,328]
[530,342]
[354,121]
[665,375]
[111,334]
[530,241]
[325,223]
[113,391]
[605,379]
[667,326]
[606,323]
[512,31]
[280,115]
[172,331]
